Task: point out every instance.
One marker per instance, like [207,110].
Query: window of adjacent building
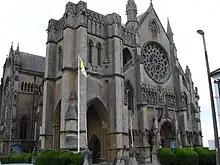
[25,86]
[22,86]
[28,87]
[32,86]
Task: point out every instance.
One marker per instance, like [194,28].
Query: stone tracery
[156,62]
[153,26]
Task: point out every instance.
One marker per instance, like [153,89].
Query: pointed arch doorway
[96,116]
[167,133]
[95,147]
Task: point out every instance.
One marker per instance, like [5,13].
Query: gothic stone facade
[21,100]
[134,75]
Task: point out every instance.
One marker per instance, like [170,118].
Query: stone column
[178,138]
[48,93]
[67,80]
[143,126]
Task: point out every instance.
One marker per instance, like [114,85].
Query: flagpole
[132,140]
[86,140]
[78,104]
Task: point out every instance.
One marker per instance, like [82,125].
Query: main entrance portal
[95,147]
[167,133]
[96,131]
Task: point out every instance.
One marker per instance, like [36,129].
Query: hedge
[206,157]
[186,156]
[16,158]
[167,157]
[52,157]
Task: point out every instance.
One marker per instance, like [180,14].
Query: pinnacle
[169,29]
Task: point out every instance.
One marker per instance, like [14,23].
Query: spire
[17,48]
[131,5]
[169,30]
[151,3]
[11,50]
[12,45]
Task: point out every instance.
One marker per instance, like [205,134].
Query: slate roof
[140,16]
[32,62]
[215,72]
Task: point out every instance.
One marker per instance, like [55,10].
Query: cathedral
[136,94]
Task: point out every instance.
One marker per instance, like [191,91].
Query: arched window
[185,104]
[6,86]
[60,54]
[127,58]
[23,127]
[99,52]
[25,87]
[130,96]
[22,86]
[28,88]
[32,86]
[90,47]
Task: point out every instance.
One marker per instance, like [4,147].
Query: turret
[17,59]
[11,52]
[131,12]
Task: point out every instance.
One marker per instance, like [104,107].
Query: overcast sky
[25,21]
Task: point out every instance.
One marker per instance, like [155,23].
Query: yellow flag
[82,67]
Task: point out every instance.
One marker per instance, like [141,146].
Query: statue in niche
[160,96]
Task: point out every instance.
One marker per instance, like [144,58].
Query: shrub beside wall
[186,156]
[45,157]
[167,157]
[206,157]
[52,157]
[16,158]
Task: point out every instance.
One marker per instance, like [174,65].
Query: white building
[216,76]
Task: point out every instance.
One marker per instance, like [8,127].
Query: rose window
[156,63]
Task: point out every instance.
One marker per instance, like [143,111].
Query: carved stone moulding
[152,95]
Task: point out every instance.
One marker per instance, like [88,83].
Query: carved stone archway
[56,126]
[167,133]
[96,129]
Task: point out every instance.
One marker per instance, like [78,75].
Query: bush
[186,156]
[206,157]
[4,159]
[52,157]
[16,158]
[167,157]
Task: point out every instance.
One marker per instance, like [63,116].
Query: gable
[149,24]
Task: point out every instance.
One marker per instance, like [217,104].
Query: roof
[140,16]
[215,72]
[32,62]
